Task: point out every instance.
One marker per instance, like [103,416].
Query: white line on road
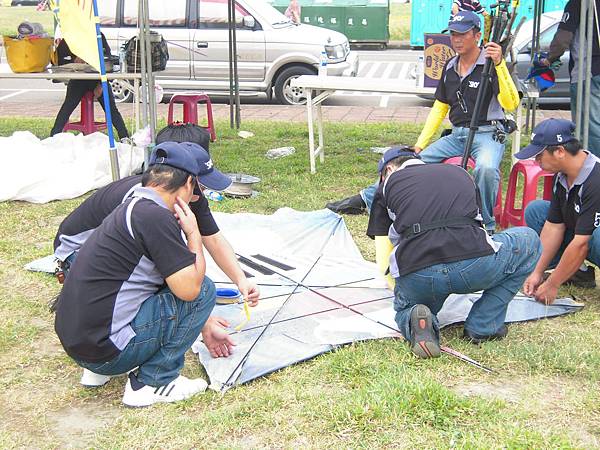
[14,94]
[386,73]
[403,71]
[32,90]
[373,69]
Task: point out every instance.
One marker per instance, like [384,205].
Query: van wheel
[286,94]
[121,93]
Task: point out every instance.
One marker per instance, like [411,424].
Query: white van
[271,49]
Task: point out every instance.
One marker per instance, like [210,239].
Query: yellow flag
[78,27]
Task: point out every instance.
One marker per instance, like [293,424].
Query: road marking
[14,94]
[403,71]
[373,69]
[32,90]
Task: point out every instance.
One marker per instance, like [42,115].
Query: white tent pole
[149,73]
[142,53]
[588,73]
[580,69]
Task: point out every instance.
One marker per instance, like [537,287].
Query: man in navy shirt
[568,224]
[137,295]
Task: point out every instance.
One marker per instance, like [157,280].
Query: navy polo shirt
[124,262]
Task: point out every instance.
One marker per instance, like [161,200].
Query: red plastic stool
[531,174]
[457,161]
[86,125]
[190,110]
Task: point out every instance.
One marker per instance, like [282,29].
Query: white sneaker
[181,388]
[91,379]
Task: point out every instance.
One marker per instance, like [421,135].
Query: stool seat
[532,172]
[190,110]
[86,124]
[457,161]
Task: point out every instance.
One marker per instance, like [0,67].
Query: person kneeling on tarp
[426,221]
[114,312]
[568,224]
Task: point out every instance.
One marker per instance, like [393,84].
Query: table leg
[516,143]
[311,137]
[320,131]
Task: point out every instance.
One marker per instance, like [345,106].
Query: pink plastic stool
[457,160]
[86,125]
[190,110]
[531,173]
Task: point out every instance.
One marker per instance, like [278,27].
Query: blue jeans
[368,193]
[594,130]
[499,275]
[165,328]
[536,214]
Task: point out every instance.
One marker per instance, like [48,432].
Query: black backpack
[184,132]
[159,52]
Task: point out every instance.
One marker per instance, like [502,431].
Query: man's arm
[434,120]
[508,96]
[186,283]
[560,44]
[222,253]
[383,250]
[552,236]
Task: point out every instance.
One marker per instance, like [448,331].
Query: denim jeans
[535,217]
[68,263]
[165,328]
[499,276]
[368,193]
[487,154]
[594,130]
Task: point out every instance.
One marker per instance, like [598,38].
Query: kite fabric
[542,74]
[317,293]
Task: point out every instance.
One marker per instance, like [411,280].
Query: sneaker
[138,394]
[581,278]
[93,380]
[478,338]
[350,205]
[424,341]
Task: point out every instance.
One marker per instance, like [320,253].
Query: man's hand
[546,293]
[249,291]
[494,52]
[98,91]
[186,218]
[532,282]
[544,62]
[417,150]
[216,338]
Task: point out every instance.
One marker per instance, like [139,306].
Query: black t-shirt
[570,22]
[578,207]
[79,225]
[124,261]
[461,94]
[427,193]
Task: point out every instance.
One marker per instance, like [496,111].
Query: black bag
[184,132]
[159,52]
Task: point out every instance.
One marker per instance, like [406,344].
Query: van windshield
[272,16]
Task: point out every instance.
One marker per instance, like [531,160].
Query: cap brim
[530,151]
[457,29]
[215,180]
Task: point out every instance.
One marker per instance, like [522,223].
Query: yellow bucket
[27,55]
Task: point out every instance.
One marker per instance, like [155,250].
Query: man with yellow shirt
[456,94]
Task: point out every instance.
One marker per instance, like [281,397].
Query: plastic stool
[190,110]
[86,125]
[457,161]
[531,174]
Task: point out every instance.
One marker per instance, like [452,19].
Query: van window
[107,11]
[213,14]
[161,14]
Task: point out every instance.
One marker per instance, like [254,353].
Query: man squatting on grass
[456,93]
[427,224]
[115,313]
[568,224]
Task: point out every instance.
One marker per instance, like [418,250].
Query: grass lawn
[400,21]
[369,395]
[12,16]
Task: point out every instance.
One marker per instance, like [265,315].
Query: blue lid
[228,292]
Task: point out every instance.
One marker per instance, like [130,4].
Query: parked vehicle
[24,2]
[271,49]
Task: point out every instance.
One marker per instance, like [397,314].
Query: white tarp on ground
[60,167]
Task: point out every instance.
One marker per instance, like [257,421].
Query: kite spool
[242,185]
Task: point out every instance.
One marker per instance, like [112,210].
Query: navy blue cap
[464,21]
[208,175]
[175,155]
[548,132]
[395,152]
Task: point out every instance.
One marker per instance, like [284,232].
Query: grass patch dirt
[369,395]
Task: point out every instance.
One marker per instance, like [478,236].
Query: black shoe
[581,278]
[478,338]
[424,341]
[350,205]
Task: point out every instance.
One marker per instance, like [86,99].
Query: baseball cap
[208,175]
[463,21]
[395,152]
[548,132]
[175,155]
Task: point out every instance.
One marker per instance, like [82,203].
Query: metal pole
[142,60]
[231,77]
[580,69]
[588,73]
[236,80]
[149,73]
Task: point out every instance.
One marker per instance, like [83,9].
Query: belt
[480,124]
[418,228]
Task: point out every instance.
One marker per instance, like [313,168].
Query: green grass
[369,395]
[12,16]
[400,21]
